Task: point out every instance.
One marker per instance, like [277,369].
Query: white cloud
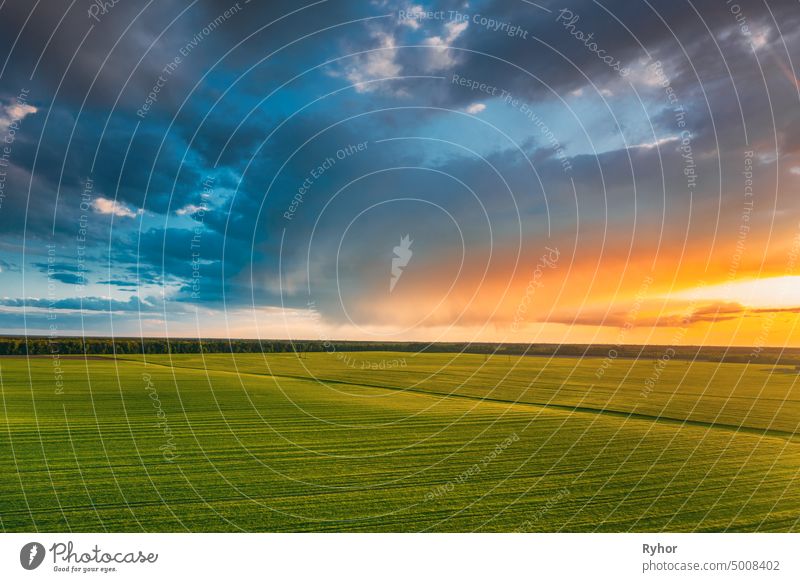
[475,108]
[376,64]
[658,143]
[14,112]
[650,74]
[759,36]
[454,30]
[105,206]
[760,40]
[381,62]
[411,20]
[442,57]
[767,157]
[190,209]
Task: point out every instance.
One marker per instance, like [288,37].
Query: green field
[446,442]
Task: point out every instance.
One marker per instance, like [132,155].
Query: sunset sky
[615,172]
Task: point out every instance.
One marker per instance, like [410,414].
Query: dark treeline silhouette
[39,345]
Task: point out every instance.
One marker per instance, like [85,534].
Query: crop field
[377,441]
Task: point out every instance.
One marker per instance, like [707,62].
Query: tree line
[41,345]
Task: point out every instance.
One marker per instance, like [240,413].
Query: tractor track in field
[781,434]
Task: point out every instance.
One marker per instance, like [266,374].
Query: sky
[578,171]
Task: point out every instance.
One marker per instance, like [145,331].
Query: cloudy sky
[580,171]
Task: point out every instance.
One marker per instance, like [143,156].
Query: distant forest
[38,345]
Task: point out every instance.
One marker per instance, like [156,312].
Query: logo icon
[402,256]
[31,555]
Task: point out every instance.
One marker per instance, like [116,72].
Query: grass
[442,443]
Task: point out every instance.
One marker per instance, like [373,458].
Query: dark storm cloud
[90,65]
[121,283]
[704,50]
[81,303]
[628,31]
[64,273]
[91,80]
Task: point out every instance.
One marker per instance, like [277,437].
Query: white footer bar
[400,557]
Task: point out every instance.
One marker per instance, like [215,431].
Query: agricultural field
[378,441]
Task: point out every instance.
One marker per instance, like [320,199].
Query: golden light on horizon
[763,293]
